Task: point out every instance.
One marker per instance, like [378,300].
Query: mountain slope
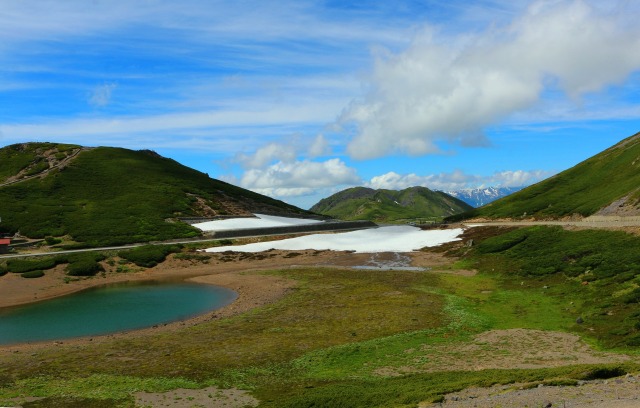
[609,180]
[477,197]
[108,196]
[361,203]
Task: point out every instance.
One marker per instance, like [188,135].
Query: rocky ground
[621,392]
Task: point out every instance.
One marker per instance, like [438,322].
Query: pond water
[109,309]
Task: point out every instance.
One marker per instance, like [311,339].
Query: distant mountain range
[110,196]
[477,197]
[607,183]
[362,203]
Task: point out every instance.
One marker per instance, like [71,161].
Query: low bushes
[88,263]
[82,264]
[148,256]
[595,273]
[32,274]
[84,267]
[27,265]
[52,240]
[503,242]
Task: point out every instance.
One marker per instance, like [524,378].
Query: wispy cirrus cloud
[101,95]
[195,68]
[274,89]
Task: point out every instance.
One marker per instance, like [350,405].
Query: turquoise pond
[109,309]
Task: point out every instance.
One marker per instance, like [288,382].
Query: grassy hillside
[595,271]
[22,161]
[108,196]
[361,203]
[584,189]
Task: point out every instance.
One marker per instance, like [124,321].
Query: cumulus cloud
[289,170]
[101,95]
[445,88]
[266,155]
[298,178]
[457,180]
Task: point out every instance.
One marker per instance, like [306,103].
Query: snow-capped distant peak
[477,197]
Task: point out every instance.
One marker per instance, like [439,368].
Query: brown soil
[211,397]
[622,392]
[504,349]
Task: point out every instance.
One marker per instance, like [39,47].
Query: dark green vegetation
[584,189]
[149,256]
[18,161]
[411,204]
[599,271]
[33,274]
[110,196]
[349,338]
[81,264]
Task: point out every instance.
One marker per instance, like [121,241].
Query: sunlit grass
[347,337]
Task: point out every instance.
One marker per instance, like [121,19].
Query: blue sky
[300,99]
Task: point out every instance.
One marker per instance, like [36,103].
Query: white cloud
[319,146]
[267,155]
[457,180]
[101,95]
[299,178]
[449,88]
[516,178]
[259,116]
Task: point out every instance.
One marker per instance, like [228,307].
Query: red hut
[4,245]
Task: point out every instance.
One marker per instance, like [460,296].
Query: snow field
[382,239]
[261,221]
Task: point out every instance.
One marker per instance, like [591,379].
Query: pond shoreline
[243,274]
[253,290]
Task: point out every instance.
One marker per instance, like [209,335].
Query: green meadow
[355,338]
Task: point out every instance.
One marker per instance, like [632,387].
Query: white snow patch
[382,239]
[260,221]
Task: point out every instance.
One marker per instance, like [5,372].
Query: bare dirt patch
[622,392]
[211,397]
[504,349]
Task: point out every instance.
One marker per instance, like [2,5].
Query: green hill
[608,182]
[361,203]
[109,196]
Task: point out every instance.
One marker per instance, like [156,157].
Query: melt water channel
[110,309]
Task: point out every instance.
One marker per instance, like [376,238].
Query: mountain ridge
[111,196]
[364,203]
[477,197]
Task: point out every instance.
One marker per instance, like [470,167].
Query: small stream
[393,261]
